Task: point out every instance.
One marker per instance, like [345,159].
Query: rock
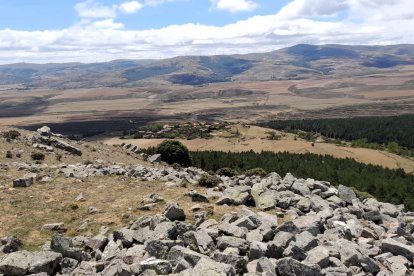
[231,230]
[237,195]
[292,267]
[65,246]
[266,267]
[178,253]
[197,197]
[346,194]
[161,267]
[80,197]
[174,212]
[24,182]
[267,200]
[154,158]
[224,242]
[300,187]
[318,256]
[397,265]
[397,248]
[44,261]
[374,216]
[208,267]
[92,210]
[54,227]
[231,258]
[279,244]
[97,243]
[10,244]
[16,263]
[44,130]
[389,209]
[257,250]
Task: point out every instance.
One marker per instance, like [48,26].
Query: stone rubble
[306,227]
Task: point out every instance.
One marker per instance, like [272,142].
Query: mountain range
[294,63]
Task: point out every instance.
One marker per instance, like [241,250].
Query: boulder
[161,267]
[174,212]
[346,194]
[23,182]
[208,267]
[292,267]
[318,256]
[397,248]
[224,242]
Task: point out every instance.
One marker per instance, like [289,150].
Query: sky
[52,31]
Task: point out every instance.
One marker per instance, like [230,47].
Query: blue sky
[45,31]
[56,14]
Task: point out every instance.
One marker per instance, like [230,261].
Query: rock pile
[299,227]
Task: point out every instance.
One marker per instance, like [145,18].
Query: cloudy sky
[44,31]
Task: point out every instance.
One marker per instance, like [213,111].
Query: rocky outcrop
[281,226]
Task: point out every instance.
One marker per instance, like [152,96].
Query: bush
[256,171]
[227,172]
[173,151]
[209,181]
[38,156]
[11,134]
[9,154]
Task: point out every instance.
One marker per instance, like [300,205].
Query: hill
[294,63]
[85,208]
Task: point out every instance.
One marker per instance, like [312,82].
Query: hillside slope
[297,62]
[110,217]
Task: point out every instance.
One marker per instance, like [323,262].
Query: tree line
[394,186]
[395,133]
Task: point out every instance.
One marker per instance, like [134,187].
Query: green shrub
[11,134]
[209,181]
[256,171]
[173,151]
[227,172]
[38,156]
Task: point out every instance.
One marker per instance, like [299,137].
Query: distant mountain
[297,62]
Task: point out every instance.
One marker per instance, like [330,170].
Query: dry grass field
[254,138]
[24,210]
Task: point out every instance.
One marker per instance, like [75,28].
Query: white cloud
[130,7]
[305,8]
[154,3]
[234,6]
[91,40]
[93,9]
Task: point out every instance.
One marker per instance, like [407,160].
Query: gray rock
[300,187]
[292,267]
[374,216]
[267,200]
[15,264]
[174,212]
[398,248]
[224,242]
[266,267]
[279,244]
[154,158]
[65,246]
[346,194]
[162,267]
[10,244]
[178,253]
[389,209]
[23,182]
[257,250]
[160,248]
[235,260]
[238,195]
[208,267]
[44,261]
[318,256]
[232,230]
[55,227]
[397,265]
